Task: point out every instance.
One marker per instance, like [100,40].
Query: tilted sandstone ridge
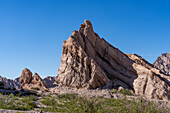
[91,62]
[28,82]
[163,63]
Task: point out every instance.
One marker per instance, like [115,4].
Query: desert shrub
[49,101]
[114,91]
[70,103]
[125,92]
[28,98]
[46,90]
[35,88]
[74,103]
[30,105]
[14,103]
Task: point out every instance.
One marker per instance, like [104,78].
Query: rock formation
[51,81]
[26,77]
[29,82]
[163,63]
[91,62]
[10,84]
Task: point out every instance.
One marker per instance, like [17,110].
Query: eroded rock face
[11,84]
[51,81]
[163,63]
[37,81]
[28,82]
[26,77]
[91,62]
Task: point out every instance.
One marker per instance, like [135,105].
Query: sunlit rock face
[163,63]
[26,77]
[89,61]
[28,81]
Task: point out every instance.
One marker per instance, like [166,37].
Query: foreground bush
[14,103]
[73,103]
[76,104]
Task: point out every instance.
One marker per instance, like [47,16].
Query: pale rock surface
[163,63]
[91,62]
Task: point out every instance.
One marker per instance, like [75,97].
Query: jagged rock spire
[90,62]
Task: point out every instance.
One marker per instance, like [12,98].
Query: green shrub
[46,90]
[125,92]
[28,98]
[30,105]
[76,104]
[49,101]
[14,103]
[35,88]
[114,91]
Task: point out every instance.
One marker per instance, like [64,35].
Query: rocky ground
[105,93]
[42,98]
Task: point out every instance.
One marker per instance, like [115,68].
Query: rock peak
[26,77]
[87,26]
[91,62]
[88,23]
[26,69]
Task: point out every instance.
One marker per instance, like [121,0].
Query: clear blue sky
[32,31]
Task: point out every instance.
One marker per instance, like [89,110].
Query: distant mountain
[163,63]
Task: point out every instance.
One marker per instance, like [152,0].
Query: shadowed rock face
[163,63]
[91,62]
[51,81]
[12,84]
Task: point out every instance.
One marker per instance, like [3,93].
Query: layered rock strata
[91,62]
